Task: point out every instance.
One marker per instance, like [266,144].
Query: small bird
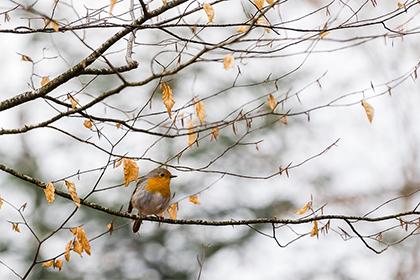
[151,195]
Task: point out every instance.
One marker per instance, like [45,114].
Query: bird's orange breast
[160,185]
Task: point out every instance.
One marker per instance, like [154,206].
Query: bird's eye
[161,175]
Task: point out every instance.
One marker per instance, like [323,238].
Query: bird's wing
[139,183]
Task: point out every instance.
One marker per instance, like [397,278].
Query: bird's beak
[173,176]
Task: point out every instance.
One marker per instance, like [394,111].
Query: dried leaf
[165,2]
[262,21]
[118,162]
[199,110]
[270,2]
[73,101]
[77,247]
[401,5]
[88,124]
[1,202]
[209,11]
[83,240]
[314,231]
[194,199]
[111,6]
[283,119]
[24,57]
[118,125]
[306,207]
[192,136]
[370,111]
[48,263]
[15,227]
[214,133]
[58,264]
[259,4]
[131,171]
[167,97]
[228,61]
[172,210]
[242,29]
[54,25]
[45,80]
[272,102]
[49,193]
[67,252]
[72,191]
[110,227]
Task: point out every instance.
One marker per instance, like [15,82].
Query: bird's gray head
[160,173]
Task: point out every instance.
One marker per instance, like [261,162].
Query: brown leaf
[111,6]
[131,171]
[88,124]
[209,11]
[172,210]
[228,61]
[49,192]
[83,240]
[270,2]
[194,199]
[58,264]
[283,119]
[24,57]
[77,247]
[67,252]
[192,136]
[314,231]
[370,111]
[259,4]
[110,227]
[45,80]
[118,125]
[306,207]
[73,101]
[54,25]
[48,263]
[214,133]
[72,191]
[272,102]
[1,202]
[15,227]
[167,97]
[242,29]
[199,110]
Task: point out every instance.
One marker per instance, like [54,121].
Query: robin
[151,195]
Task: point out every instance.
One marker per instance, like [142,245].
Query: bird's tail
[136,225]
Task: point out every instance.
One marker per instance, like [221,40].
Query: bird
[151,195]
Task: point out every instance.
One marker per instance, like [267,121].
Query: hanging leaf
[110,227]
[199,110]
[1,202]
[54,25]
[272,102]
[259,4]
[214,133]
[172,211]
[111,6]
[194,199]
[131,171]
[67,251]
[242,29]
[192,136]
[48,264]
[270,2]
[88,124]
[73,101]
[167,97]
[77,247]
[370,111]
[306,207]
[45,80]
[228,61]
[81,240]
[72,191]
[49,192]
[58,264]
[284,120]
[15,227]
[24,57]
[209,11]
[314,231]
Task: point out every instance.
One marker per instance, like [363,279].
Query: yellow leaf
[301,211]
[25,58]
[88,124]
[110,227]
[270,2]
[131,171]
[259,4]
[58,264]
[314,231]
[242,29]
[194,199]
[77,247]
[72,191]
[228,61]
[167,97]
[84,241]
[49,193]
[192,136]
[370,111]
[283,119]
[15,227]
[1,202]
[48,263]
[199,110]
[111,6]
[118,125]
[214,133]
[45,80]
[73,101]
[73,230]
[172,210]
[272,102]
[401,5]
[165,2]
[67,252]
[262,21]
[209,11]
[54,25]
